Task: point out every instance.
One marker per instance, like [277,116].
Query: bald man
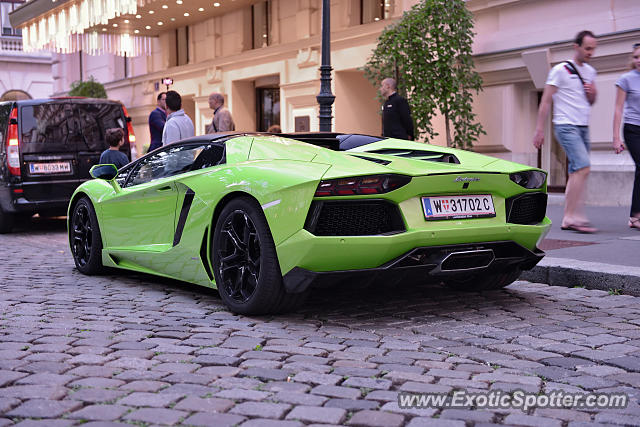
[396,115]
[222,120]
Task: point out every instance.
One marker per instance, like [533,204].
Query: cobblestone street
[129,349]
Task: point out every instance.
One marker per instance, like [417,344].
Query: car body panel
[165,226]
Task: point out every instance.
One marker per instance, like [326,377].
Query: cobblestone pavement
[128,349]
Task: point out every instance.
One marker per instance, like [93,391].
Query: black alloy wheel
[85,239]
[245,261]
[239,250]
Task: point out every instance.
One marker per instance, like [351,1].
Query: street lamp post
[325,97]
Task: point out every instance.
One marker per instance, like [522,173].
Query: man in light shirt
[178,126]
[571,85]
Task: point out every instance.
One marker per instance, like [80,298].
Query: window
[374,10]
[178,51]
[174,161]
[7,7]
[46,123]
[260,22]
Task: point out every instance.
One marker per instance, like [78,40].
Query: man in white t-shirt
[571,85]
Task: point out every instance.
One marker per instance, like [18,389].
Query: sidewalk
[608,260]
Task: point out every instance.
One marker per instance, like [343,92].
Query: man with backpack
[571,85]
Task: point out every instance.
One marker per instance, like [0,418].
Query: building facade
[22,75]
[264,57]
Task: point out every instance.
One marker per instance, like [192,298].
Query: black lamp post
[325,97]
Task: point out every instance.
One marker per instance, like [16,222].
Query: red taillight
[132,136]
[13,144]
[357,185]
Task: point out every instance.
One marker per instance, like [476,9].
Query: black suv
[47,147]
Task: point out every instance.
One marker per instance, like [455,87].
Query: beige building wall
[221,59]
[29,73]
[516,43]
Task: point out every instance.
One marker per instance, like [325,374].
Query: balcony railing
[12,46]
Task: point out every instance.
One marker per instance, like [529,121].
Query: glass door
[268,104]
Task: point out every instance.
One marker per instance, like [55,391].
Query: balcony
[12,46]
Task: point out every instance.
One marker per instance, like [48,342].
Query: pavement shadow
[352,302]
[38,224]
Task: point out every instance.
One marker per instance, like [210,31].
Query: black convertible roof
[332,140]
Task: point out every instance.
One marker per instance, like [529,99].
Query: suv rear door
[61,140]
[48,145]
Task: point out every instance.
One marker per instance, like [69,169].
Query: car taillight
[13,144]
[132,136]
[358,185]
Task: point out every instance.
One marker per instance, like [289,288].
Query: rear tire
[485,282]
[6,222]
[85,239]
[245,262]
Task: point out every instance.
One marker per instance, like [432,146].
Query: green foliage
[90,88]
[428,52]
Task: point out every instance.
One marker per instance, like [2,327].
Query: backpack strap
[575,70]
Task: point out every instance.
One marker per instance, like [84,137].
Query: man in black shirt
[396,115]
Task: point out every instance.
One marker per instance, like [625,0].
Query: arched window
[15,95]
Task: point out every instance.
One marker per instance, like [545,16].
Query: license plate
[455,207]
[54,167]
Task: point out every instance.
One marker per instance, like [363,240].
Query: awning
[121,27]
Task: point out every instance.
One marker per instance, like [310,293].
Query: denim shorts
[575,141]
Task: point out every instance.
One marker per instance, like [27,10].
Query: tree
[90,88]
[428,52]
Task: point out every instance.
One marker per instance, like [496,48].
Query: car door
[143,213]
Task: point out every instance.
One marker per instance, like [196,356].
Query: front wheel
[245,261]
[485,282]
[85,239]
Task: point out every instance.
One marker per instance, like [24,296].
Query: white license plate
[453,207]
[54,167]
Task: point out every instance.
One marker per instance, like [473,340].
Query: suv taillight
[13,144]
[132,136]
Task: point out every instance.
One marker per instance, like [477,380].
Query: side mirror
[106,172]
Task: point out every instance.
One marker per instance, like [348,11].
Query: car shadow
[355,304]
[38,224]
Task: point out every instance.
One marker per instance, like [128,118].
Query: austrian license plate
[455,207]
[53,167]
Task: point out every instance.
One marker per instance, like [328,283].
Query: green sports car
[264,218]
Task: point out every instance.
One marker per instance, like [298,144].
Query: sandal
[581,228]
[634,222]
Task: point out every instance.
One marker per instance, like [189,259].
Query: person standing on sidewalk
[628,95]
[571,86]
[222,120]
[396,115]
[179,125]
[157,119]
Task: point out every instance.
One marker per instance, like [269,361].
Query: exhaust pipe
[467,260]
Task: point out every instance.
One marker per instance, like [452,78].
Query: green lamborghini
[264,218]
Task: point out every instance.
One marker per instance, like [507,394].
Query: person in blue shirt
[113,155]
[157,119]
